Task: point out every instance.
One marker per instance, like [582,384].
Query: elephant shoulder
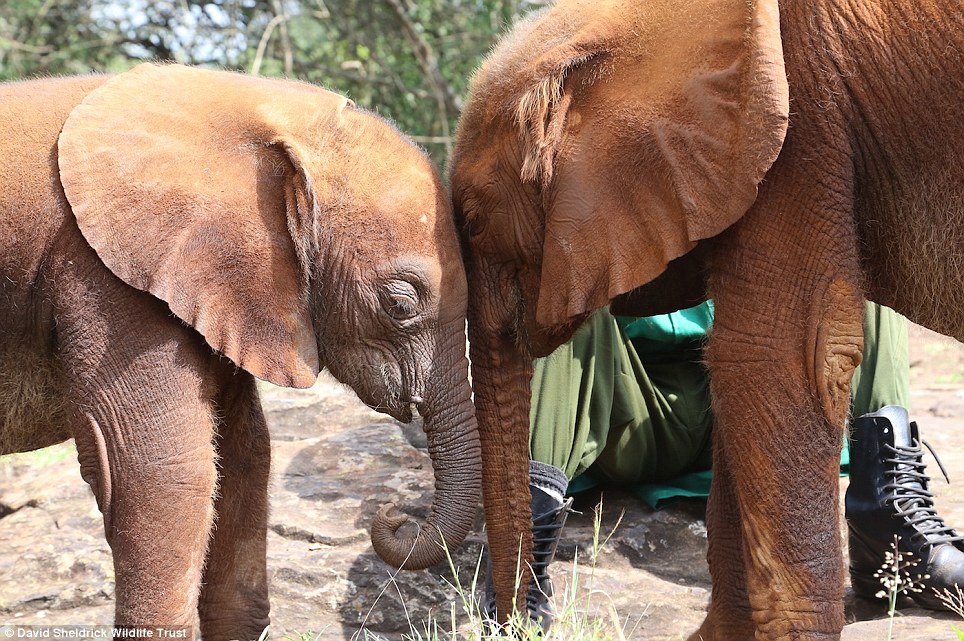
[32,203]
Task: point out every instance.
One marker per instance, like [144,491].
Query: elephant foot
[713,629]
[723,628]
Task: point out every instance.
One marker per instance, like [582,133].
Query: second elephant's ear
[190,184]
[650,129]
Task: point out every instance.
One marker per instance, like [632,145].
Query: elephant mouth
[403,413]
[393,405]
[407,411]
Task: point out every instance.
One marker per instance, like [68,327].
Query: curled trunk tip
[455,450]
[425,549]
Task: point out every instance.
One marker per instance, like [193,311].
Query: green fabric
[657,495]
[883,376]
[668,332]
[626,401]
[690,485]
[595,405]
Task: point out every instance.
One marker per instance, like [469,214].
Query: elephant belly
[913,245]
[31,400]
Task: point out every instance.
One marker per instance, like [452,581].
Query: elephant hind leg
[234,597]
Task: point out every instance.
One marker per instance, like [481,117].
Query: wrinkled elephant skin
[169,234]
[786,159]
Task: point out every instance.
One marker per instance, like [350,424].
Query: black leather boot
[888,496]
[550,509]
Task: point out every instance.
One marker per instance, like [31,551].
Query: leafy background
[409,60]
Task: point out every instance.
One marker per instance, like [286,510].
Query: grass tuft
[576,609]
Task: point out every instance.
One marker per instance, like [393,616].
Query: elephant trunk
[453,445]
[502,376]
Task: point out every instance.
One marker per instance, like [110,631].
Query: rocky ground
[335,462]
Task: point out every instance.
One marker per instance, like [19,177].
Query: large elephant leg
[140,395]
[786,338]
[145,447]
[234,596]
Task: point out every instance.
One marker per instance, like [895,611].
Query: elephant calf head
[294,232]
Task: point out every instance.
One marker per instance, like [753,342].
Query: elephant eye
[400,300]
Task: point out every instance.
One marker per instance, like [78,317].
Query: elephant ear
[191,185]
[648,129]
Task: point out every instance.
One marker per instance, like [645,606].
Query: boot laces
[910,498]
[545,537]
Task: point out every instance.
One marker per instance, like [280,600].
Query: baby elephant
[169,234]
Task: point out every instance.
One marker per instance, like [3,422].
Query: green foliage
[409,60]
[43,37]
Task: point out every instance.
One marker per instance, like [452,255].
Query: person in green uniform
[626,402]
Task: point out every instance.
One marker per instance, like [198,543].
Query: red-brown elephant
[168,234]
[785,158]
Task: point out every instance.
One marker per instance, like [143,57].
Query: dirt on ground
[336,462]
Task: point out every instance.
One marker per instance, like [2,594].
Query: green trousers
[598,406]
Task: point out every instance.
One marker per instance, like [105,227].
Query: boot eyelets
[888,496]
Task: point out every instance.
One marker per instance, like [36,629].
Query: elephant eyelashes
[400,300]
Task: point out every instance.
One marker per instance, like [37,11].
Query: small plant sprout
[953,601]
[897,578]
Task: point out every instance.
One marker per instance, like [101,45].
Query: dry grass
[583,613]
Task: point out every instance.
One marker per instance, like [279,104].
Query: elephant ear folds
[654,136]
[184,183]
[541,115]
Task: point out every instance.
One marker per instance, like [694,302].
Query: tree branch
[20,46]
[289,60]
[444,95]
[263,43]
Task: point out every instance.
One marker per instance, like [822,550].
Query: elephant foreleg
[234,596]
[141,411]
[786,339]
[150,461]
